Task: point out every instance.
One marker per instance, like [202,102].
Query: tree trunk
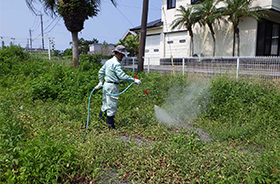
[233,46]
[75,49]
[213,37]
[238,42]
[192,45]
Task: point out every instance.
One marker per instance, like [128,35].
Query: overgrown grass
[43,111]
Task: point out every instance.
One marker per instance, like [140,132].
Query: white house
[99,48]
[256,38]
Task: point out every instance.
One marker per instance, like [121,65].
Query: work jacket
[113,72]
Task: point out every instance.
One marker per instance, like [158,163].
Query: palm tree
[236,9]
[187,18]
[74,13]
[208,15]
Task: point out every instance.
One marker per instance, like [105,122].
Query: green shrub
[65,83]
[12,133]
[243,110]
[42,160]
[11,59]
[36,157]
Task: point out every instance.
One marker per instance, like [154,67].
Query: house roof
[155,23]
[109,44]
[128,32]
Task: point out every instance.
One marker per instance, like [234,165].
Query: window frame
[196,1]
[265,38]
[171,4]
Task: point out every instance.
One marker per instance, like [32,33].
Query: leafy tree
[74,13]
[105,49]
[236,9]
[187,18]
[83,45]
[67,52]
[131,44]
[208,15]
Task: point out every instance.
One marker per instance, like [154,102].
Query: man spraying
[112,73]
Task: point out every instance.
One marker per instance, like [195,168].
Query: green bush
[37,157]
[41,160]
[11,59]
[11,135]
[65,83]
[243,110]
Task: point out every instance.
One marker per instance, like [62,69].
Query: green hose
[109,94]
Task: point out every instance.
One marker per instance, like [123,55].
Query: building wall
[177,44]
[248,36]
[203,43]
[167,15]
[153,46]
[101,49]
[267,4]
[159,38]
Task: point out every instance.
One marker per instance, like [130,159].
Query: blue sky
[110,25]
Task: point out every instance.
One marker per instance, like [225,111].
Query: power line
[137,7]
[124,16]
[35,23]
[39,35]
[50,24]
[42,30]
[159,9]
[53,26]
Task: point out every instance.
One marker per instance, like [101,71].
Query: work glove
[137,81]
[98,85]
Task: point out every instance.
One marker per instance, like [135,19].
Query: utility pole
[30,38]
[42,32]
[143,32]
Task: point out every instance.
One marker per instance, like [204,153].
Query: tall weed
[44,107]
[243,110]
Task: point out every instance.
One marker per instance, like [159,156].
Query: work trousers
[109,102]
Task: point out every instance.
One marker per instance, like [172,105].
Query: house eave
[154,24]
[167,32]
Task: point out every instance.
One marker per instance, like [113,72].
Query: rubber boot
[110,122]
[101,117]
[100,114]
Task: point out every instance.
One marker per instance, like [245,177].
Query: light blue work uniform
[112,72]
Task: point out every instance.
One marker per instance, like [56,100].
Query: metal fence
[257,68]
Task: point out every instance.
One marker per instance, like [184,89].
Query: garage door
[177,45]
[152,49]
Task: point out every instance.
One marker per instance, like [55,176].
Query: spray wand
[146,91]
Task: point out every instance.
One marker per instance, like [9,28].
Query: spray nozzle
[145,91]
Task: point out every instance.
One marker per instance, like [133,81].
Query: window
[169,42]
[182,41]
[268,39]
[196,1]
[274,40]
[156,50]
[171,4]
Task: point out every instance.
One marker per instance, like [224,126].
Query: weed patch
[43,111]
